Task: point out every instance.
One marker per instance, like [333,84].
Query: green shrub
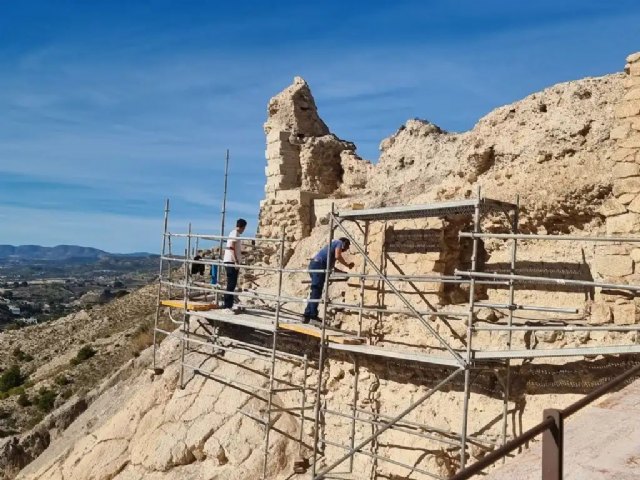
[11,378]
[21,356]
[45,400]
[85,353]
[23,400]
[66,394]
[62,380]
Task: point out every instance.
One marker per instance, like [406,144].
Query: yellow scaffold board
[195,306]
[334,336]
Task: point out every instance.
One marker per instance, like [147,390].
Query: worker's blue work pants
[317,286]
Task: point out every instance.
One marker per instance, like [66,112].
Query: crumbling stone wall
[619,263]
[288,212]
[304,162]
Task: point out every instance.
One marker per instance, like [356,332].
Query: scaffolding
[269,315]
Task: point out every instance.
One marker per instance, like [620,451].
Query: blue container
[214,274]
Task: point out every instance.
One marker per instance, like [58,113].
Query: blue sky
[106,108]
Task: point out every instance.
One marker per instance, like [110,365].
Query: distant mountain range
[59,252]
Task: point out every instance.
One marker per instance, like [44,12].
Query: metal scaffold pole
[303,406]
[354,407]
[398,294]
[185,321]
[507,382]
[363,274]
[164,246]
[223,212]
[467,371]
[274,346]
[323,339]
[393,421]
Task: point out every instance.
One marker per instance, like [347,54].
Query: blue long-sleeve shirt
[330,253]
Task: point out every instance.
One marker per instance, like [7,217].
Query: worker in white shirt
[233,258]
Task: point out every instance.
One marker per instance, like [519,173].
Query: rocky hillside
[56,364]
[57,253]
[558,149]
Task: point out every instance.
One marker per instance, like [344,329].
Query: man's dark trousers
[232,282]
[317,286]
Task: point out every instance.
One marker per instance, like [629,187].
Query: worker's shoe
[314,319]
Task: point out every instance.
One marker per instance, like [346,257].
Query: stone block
[632,142]
[621,131]
[612,249]
[614,265]
[635,254]
[626,109]
[625,223]
[624,314]
[280,150]
[626,198]
[612,207]
[600,313]
[548,336]
[623,154]
[626,169]
[278,136]
[634,69]
[626,185]
[634,206]
[273,168]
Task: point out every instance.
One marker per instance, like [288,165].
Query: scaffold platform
[462,358]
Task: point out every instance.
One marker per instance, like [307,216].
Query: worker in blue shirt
[328,255]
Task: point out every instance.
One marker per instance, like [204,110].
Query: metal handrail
[546,425]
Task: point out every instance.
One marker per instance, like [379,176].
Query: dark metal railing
[552,430]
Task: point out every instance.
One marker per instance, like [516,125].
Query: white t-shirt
[233,241]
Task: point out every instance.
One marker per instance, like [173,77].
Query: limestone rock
[628,109]
[600,313]
[620,131]
[625,223]
[612,207]
[633,94]
[634,140]
[624,314]
[634,206]
[626,198]
[321,163]
[355,171]
[626,169]
[294,110]
[634,57]
[614,265]
[626,185]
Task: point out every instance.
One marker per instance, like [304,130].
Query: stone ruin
[309,168]
[305,163]
[620,263]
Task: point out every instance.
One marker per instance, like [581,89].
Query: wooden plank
[195,306]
